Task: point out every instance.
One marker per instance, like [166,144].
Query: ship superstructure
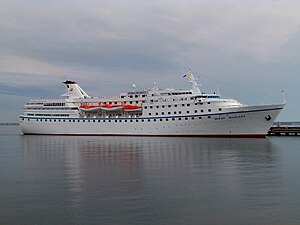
[162,112]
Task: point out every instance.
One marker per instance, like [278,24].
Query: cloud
[30,67]
[118,43]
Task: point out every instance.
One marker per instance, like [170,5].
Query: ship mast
[195,85]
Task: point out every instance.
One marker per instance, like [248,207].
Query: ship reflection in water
[129,180]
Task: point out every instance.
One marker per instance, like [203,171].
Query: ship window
[173,118]
[179,118]
[186,118]
[162,113]
[109,120]
[130,102]
[169,106]
[167,119]
[46,120]
[195,111]
[130,96]
[64,120]
[93,121]
[174,112]
[136,96]
[156,113]
[209,117]
[200,117]
[182,104]
[143,95]
[110,103]
[160,119]
[143,120]
[187,111]
[50,120]
[116,120]
[149,120]
[122,96]
[157,106]
[187,104]
[149,114]
[179,112]
[209,110]
[125,121]
[143,101]
[192,118]
[145,107]
[40,119]
[163,106]
[220,109]
[136,120]
[131,120]
[201,110]
[120,121]
[175,105]
[103,121]
[89,121]
[151,107]
[137,102]
[201,103]
[208,103]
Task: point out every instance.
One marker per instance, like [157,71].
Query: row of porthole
[179,112]
[169,106]
[116,120]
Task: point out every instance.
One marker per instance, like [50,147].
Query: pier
[284,131]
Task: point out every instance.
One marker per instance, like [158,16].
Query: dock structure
[284,131]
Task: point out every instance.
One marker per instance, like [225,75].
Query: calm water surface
[138,180]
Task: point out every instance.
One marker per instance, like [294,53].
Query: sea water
[148,180]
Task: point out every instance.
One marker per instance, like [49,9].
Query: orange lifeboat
[89,108]
[132,108]
[111,108]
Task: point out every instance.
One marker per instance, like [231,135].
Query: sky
[249,50]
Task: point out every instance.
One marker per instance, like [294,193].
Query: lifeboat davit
[89,108]
[132,108]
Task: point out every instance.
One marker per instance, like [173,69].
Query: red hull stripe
[166,135]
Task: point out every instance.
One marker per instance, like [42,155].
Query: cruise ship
[152,112]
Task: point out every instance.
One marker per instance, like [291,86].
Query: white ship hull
[244,121]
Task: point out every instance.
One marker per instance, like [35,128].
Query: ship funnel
[74,91]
